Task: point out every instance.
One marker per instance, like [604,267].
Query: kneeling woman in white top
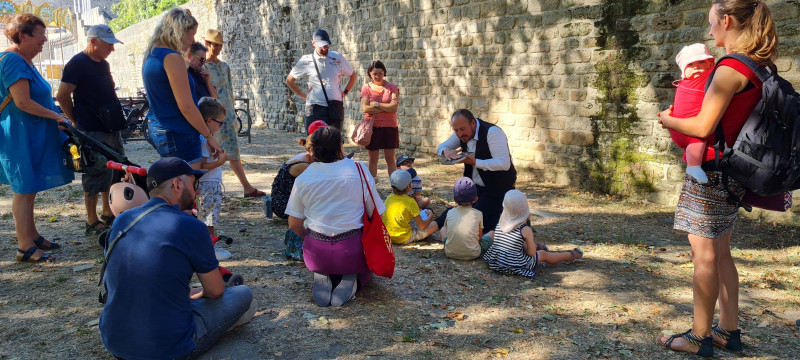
[326,208]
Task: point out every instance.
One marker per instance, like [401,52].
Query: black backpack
[766,156]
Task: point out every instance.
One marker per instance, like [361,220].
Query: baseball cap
[321,38]
[690,54]
[102,32]
[402,158]
[315,126]
[464,190]
[167,168]
[400,179]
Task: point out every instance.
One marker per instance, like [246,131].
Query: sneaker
[345,291]
[322,289]
[222,254]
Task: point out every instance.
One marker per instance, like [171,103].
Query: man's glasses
[216,121]
[202,59]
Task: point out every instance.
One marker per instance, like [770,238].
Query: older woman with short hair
[31,159]
[326,207]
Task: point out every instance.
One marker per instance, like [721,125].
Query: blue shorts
[170,143]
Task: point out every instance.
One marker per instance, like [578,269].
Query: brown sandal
[25,256]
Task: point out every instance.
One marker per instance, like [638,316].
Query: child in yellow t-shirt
[401,209]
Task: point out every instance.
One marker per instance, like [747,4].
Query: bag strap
[111,245]
[320,78]
[364,181]
[720,145]
[8,98]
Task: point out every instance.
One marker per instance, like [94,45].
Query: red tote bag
[375,239]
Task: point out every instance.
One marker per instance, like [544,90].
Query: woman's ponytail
[757,37]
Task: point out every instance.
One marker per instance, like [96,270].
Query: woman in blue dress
[175,122]
[31,159]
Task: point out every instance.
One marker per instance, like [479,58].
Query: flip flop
[40,243]
[26,256]
[255,193]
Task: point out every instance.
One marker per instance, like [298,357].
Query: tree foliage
[130,12]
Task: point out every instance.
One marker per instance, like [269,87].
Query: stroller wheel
[235,280]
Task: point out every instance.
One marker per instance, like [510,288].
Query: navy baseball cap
[167,168]
[321,38]
[402,158]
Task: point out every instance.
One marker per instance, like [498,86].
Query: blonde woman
[175,121]
[704,210]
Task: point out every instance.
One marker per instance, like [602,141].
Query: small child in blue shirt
[407,163]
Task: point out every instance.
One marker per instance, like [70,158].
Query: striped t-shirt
[507,254]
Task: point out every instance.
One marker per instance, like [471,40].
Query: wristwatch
[378,105]
[345,91]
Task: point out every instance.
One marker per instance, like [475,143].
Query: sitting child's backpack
[766,156]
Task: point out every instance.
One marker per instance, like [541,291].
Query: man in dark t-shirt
[86,88]
[196,59]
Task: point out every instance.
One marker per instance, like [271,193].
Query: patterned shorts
[704,210]
[209,202]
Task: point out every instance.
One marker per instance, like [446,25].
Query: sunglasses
[216,121]
[202,59]
[195,183]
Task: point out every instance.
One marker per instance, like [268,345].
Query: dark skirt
[704,210]
[384,138]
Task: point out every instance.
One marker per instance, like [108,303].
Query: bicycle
[135,112]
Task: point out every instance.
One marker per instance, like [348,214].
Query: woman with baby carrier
[707,212]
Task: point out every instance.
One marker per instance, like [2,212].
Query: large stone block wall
[575,84]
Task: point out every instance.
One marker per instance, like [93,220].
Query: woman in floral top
[227,136]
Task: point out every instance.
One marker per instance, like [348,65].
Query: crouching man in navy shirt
[150,313]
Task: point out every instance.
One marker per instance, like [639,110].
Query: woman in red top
[746,27]
[379,101]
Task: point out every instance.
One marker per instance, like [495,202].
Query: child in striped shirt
[513,251]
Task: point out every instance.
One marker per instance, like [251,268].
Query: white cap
[102,32]
[690,54]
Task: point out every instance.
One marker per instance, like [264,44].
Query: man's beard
[186,201]
[322,52]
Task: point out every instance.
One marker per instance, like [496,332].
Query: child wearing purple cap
[463,226]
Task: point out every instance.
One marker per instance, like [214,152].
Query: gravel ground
[633,284]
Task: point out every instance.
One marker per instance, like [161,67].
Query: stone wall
[574,84]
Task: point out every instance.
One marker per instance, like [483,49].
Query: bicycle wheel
[242,117]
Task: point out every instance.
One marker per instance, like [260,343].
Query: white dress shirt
[498,147]
[329,197]
[331,69]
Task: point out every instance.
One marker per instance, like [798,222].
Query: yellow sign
[52,17]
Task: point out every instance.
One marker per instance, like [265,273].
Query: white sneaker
[222,254]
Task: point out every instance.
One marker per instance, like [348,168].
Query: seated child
[513,251]
[209,186]
[463,225]
[407,163]
[400,209]
[695,61]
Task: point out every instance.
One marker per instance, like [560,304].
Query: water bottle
[268,207]
[76,157]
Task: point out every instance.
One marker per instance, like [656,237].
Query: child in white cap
[513,251]
[695,61]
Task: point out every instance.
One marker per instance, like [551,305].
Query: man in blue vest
[487,161]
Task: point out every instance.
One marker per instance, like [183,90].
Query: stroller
[84,152]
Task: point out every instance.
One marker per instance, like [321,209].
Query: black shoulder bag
[335,107]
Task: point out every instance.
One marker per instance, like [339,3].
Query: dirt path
[634,283]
